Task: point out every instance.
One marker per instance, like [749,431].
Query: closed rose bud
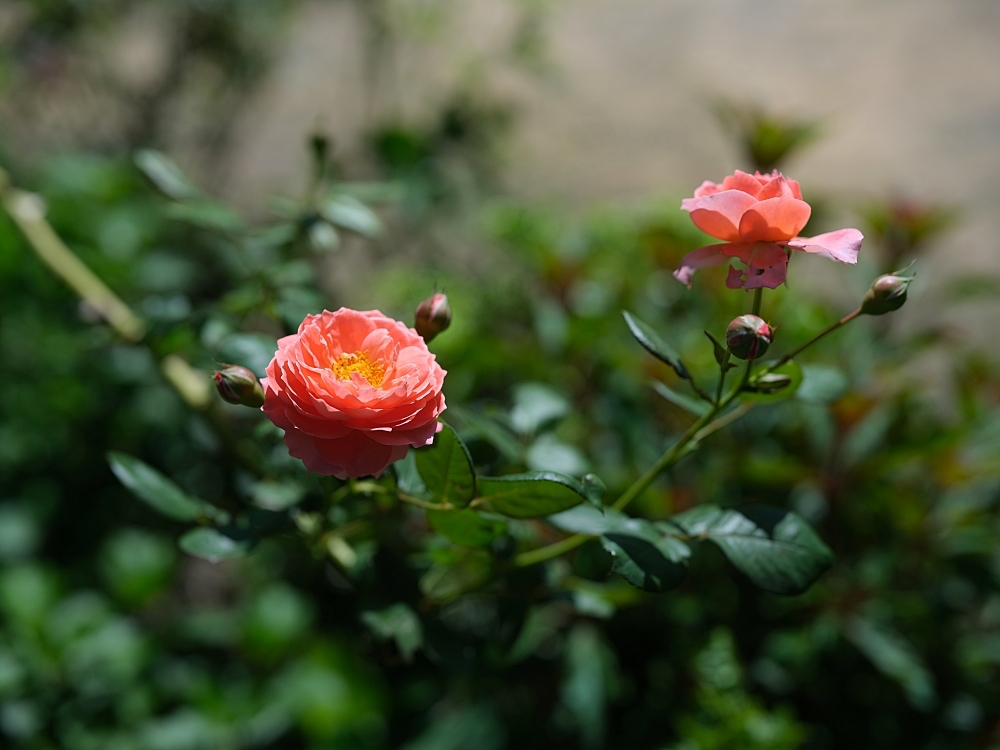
[748,337]
[238,385]
[887,293]
[433,316]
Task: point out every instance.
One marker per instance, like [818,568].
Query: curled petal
[703,257]
[842,245]
[743,181]
[735,278]
[773,220]
[768,267]
[719,214]
[779,187]
[706,188]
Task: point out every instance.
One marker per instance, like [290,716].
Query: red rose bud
[238,385]
[748,337]
[433,316]
[887,293]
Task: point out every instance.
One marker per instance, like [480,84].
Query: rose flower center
[346,364]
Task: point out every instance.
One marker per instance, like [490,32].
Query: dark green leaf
[688,404]
[650,340]
[538,493]
[445,581]
[466,527]
[213,545]
[158,492]
[446,468]
[398,623]
[775,548]
[594,488]
[350,213]
[166,175]
[718,349]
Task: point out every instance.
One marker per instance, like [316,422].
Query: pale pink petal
[719,214]
[842,245]
[703,257]
[706,188]
[773,220]
[735,278]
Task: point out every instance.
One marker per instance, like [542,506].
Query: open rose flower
[352,391]
[758,217]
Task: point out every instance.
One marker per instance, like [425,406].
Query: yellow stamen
[373,372]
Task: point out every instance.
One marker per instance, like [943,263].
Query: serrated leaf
[531,495]
[775,548]
[466,527]
[398,623]
[165,175]
[688,404]
[651,341]
[213,545]
[350,213]
[159,492]
[446,468]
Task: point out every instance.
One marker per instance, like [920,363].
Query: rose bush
[758,217]
[352,391]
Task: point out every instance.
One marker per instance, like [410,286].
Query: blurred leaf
[548,453]
[137,564]
[895,657]
[585,688]
[489,430]
[466,527]
[160,493]
[594,488]
[250,350]
[821,384]
[213,545]
[398,623]
[446,469]
[206,215]
[775,548]
[446,580]
[476,727]
[531,495]
[166,175]
[277,494]
[19,533]
[323,237]
[651,341]
[408,477]
[535,405]
[688,404]
[971,288]
[350,213]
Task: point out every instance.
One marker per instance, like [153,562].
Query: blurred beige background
[908,92]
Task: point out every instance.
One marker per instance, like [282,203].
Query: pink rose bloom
[758,217]
[352,391]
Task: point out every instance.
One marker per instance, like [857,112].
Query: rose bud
[748,337]
[238,385]
[433,316]
[887,293]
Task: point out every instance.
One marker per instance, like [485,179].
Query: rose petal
[703,257]
[767,268]
[842,245]
[720,214]
[735,278]
[742,181]
[773,220]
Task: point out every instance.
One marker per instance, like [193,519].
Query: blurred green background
[527,157]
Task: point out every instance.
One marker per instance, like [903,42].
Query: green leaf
[323,237]
[213,545]
[688,404]
[821,384]
[165,175]
[206,215]
[350,213]
[538,493]
[641,554]
[778,385]
[775,548]
[535,405]
[408,478]
[446,468]
[398,623]
[159,492]
[466,527]
[594,488]
[718,349]
[895,657]
[650,340]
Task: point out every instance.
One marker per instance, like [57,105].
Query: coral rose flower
[352,391]
[758,217]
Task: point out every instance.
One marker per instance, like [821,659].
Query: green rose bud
[433,316]
[887,293]
[238,385]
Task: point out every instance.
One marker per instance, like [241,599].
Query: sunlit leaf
[466,527]
[213,545]
[350,213]
[446,469]
[159,492]
[530,495]
[167,176]
[651,341]
[688,404]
